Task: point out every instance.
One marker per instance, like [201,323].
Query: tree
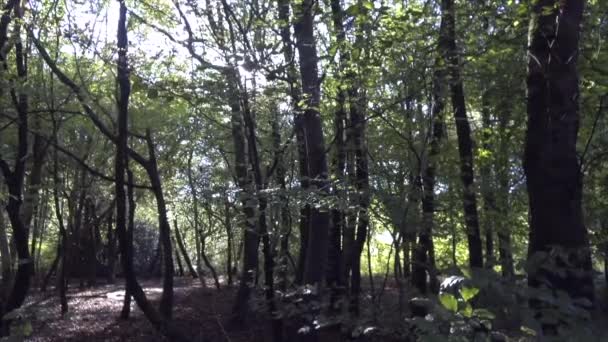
[14,179]
[311,144]
[559,244]
[463,131]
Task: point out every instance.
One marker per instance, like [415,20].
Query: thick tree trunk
[463,131]
[295,94]
[15,179]
[558,236]
[361,185]
[247,197]
[311,143]
[335,273]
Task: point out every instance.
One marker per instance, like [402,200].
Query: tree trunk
[126,304]
[199,237]
[422,254]
[229,247]
[14,179]
[247,197]
[160,322]
[311,144]
[63,243]
[335,273]
[111,258]
[487,186]
[502,177]
[283,206]
[206,260]
[358,121]
[463,131]
[6,260]
[182,247]
[180,268]
[166,300]
[558,237]
[296,94]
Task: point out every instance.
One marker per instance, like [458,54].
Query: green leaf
[368,4]
[468,311]
[483,314]
[468,293]
[353,10]
[528,331]
[449,301]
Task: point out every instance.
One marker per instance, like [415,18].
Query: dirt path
[93,315]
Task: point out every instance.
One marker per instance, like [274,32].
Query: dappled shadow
[93,315]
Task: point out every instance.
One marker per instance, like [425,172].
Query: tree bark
[159,321]
[309,131]
[487,186]
[463,132]
[5,254]
[229,238]
[111,249]
[335,273]
[502,177]
[423,263]
[14,179]
[182,247]
[199,237]
[126,304]
[248,200]
[180,268]
[551,163]
[63,243]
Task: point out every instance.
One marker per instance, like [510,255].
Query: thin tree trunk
[126,304]
[180,268]
[63,243]
[228,226]
[111,258]
[502,175]
[159,321]
[423,263]
[199,238]
[182,247]
[487,187]
[463,132]
[5,254]
[166,300]
[284,216]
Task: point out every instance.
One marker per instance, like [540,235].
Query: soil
[93,314]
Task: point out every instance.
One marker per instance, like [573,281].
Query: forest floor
[93,314]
